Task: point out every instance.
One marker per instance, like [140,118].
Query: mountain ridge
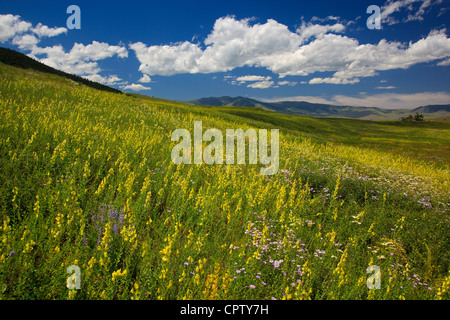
[323,110]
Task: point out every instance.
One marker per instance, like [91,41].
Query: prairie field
[87,180]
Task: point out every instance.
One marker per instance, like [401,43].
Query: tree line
[410,117]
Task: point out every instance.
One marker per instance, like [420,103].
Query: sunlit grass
[87,180]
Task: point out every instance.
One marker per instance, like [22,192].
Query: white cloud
[444,63]
[382,100]
[314,18]
[135,87]
[25,41]
[108,80]
[257,82]
[236,43]
[415,11]
[352,60]
[44,31]
[22,32]
[289,83]
[167,60]
[97,51]
[310,30]
[333,80]
[57,58]
[261,84]
[252,78]
[11,26]
[145,79]
[386,88]
[81,59]
[231,44]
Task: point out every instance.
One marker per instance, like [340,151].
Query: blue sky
[317,51]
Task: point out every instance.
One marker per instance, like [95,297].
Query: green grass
[87,180]
[426,140]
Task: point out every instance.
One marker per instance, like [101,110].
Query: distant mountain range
[325,110]
[17,59]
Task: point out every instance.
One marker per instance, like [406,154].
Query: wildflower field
[87,180]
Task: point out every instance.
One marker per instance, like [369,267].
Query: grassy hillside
[17,59]
[87,180]
[426,140]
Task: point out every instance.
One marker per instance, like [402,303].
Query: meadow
[87,180]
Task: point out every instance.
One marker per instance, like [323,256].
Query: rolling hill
[324,110]
[432,108]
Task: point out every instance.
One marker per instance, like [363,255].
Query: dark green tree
[418,117]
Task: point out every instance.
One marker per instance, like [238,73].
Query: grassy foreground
[87,180]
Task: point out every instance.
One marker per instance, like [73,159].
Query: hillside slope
[17,59]
[88,180]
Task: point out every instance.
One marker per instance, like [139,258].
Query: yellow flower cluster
[212,284]
[29,247]
[36,207]
[444,289]
[135,292]
[15,193]
[199,271]
[129,235]
[59,221]
[118,273]
[103,247]
[339,271]
[5,229]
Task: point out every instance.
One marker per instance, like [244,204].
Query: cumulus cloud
[261,84]
[168,59]
[236,43]
[44,31]
[81,59]
[22,33]
[25,41]
[97,51]
[108,80]
[232,43]
[311,49]
[257,82]
[11,26]
[135,87]
[145,79]
[311,30]
[351,61]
